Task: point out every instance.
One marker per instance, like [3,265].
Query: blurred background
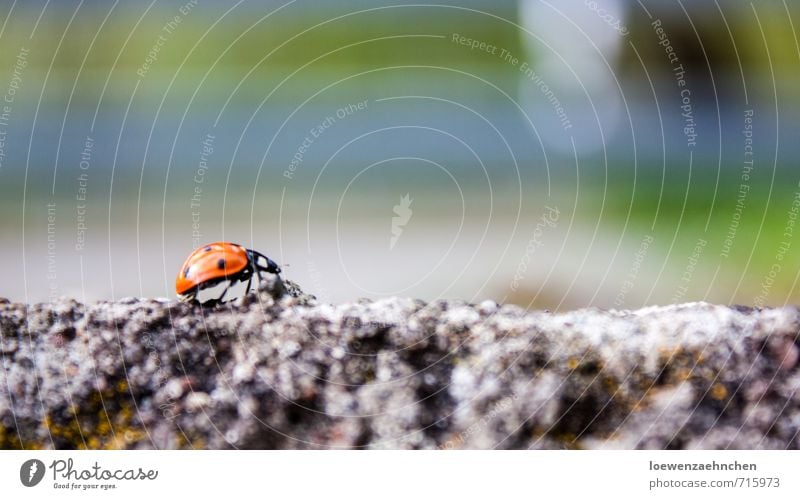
[605,153]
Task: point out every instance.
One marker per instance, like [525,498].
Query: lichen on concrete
[277,370]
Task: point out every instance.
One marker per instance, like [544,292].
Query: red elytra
[218,262]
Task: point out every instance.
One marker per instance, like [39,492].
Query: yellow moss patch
[107,421]
[8,439]
[718,391]
[684,374]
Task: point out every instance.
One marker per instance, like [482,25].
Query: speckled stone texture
[278,370]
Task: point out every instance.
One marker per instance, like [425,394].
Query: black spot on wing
[221,263]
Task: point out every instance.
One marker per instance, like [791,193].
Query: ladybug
[220,262]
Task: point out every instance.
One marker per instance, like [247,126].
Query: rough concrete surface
[278,370]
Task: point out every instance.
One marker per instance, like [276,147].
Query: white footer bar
[401,474]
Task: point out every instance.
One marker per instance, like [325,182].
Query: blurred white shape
[570,89]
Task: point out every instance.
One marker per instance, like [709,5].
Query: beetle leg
[227,287]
